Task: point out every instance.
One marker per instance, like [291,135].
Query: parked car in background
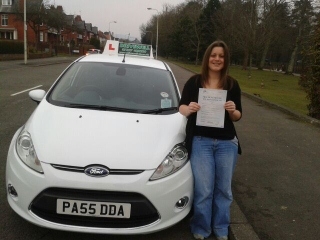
[93,51]
[103,151]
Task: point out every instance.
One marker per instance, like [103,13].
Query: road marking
[25,90]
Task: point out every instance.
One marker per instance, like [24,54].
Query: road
[276,183]
[277,179]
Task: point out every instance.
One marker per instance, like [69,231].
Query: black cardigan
[190,93]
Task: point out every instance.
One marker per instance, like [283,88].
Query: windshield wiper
[100,107]
[159,110]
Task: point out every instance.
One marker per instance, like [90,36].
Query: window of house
[4,20]
[6,2]
[41,36]
[6,35]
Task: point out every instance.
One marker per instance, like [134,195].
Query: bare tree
[191,14]
[179,29]
[35,15]
[255,30]
[272,20]
[237,22]
[302,15]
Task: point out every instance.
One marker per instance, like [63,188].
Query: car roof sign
[111,48]
[115,47]
[135,49]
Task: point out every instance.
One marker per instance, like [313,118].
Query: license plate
[93,209]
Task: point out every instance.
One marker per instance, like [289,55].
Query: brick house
[11,28]
[103,38]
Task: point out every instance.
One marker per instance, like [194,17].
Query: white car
[103,151]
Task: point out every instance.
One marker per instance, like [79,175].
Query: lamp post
[25,31]
[109,28]
[157,30]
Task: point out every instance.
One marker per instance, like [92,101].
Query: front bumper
[160,196]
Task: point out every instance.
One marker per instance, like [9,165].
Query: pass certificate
[212,112]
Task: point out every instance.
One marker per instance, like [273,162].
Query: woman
[213,150]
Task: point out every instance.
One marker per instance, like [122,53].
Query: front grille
[142,211]
[81,170]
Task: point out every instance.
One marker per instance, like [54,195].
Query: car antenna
[124,58]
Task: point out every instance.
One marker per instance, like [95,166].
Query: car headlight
[174,161]
[26,151]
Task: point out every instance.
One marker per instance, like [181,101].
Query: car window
[115,85]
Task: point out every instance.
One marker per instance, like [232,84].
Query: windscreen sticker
[164,94]
[166,103]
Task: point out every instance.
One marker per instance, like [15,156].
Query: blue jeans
[213,162]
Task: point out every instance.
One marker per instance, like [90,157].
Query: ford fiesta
[103,151]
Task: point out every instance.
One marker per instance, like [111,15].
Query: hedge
[11,47]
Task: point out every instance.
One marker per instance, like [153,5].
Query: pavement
[14,64]
[240,228]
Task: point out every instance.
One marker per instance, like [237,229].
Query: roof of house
[95,30]
[6,9]
[88,26]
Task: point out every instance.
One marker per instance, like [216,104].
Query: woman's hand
[187,110]
[193,107]
[234,114]
[230,106]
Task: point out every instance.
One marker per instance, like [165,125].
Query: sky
[128,14]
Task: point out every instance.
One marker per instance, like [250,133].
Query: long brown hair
[225,82]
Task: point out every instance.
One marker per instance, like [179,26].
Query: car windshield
[115,87]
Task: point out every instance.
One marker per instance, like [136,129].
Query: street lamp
[109,28]
[157,30]
[25,31]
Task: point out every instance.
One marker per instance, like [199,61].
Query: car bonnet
[80,137]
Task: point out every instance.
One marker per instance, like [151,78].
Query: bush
[11,47]
[310,78]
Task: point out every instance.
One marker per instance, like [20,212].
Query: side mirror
[37,95]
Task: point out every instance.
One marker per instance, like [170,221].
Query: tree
[35,10]
[188,30]
[95,42]
[55,18]
[301,17]
[182,47]
[177,44]
[41,16]
[206,21]
[310,79]
[274,20]
[255,30]
[236,22]
[167,25]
